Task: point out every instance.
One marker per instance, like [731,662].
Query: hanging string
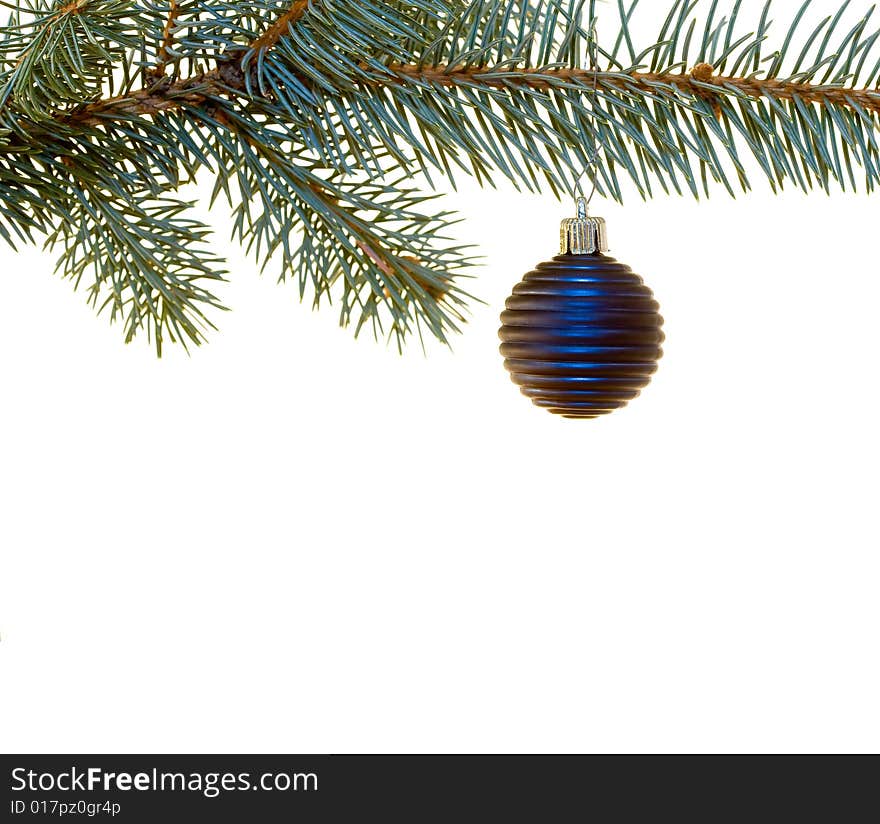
[592,163]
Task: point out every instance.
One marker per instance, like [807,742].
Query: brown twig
[73,7]
[383,265]
[265,41]
[695,84]
[185,91]
[279,28]
[164,53]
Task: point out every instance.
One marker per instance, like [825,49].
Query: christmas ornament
[581,333]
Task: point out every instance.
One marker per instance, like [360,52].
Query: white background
[294,541]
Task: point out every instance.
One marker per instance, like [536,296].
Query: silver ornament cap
[583,235]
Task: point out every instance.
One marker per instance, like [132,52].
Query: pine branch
[65,56]
[698,83]
[311,114]
[695,84]
[149,263]
[396,269]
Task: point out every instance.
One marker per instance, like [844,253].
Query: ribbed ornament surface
[581,335]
